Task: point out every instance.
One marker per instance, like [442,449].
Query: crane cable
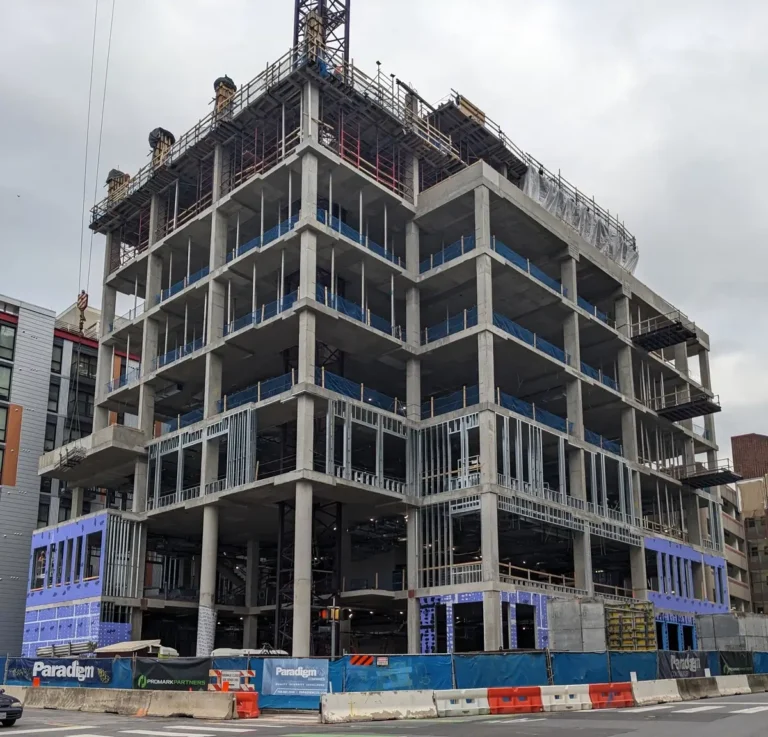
[95,187]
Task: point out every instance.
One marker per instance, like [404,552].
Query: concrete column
[568,277]
[253,555]
[623,316]
[482,217]
[306,347]
[78,494]
[302,569]
[629,434]
[706,374]
[154,217]
[692,518]
[309,185]
[638,572]
[308,265]
[137,621]
[413,316]
[140,471]
[310,109]
[484,282]
[212,391]
[305,436]
[488,449]
[582,561]
[413,550]
[489,530]
[485,367]
[206,613]
[250,632]
[215,317]
[492,620]
[209,463]
[577,479]
[413,388]
[218,170]
[412,248]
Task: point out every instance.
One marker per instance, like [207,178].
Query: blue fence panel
[580,668]
[714,663]
[512,669]
[122,673]
[3,661]
[336,673]
[310,703]
[403,672]
[68,672]
[622,664]
[761,662]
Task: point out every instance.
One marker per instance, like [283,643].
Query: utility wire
[101,133]
[87,138]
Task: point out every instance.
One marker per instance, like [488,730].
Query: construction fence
[298,683]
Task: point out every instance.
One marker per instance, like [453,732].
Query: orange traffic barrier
[247,705]
[611,695]
[522,700]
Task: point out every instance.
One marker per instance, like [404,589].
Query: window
[92,555]
[51,564]
[53,397]
[43,510]
[60,564]
[65,509]
[58,349]
[3,422]
[50,435]
[78,558]
[68,563]
[750,522]
[5,382]
[45,485]
[7,341]
[38,575]
[753,551]
[85,366]
[84,406]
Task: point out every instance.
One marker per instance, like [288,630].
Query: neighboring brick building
[750,455]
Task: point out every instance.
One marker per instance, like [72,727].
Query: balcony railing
[599,376]
[259,391]
[589,307]
[130,375]
[352,389]
[193,346]
[182,284]
[525,264]
[467,396]
[260,241]
[189,418]
[465,244]
[261,314]
[168,500]
[518,331]
[121,321]
[356,312]
[450,326]
[594,438]
[348,231]
[535,413]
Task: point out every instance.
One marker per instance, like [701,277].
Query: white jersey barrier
[656,692]
[375,706]
[462,702]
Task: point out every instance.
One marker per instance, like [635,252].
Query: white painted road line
[697,709]
[753,710]
[150,733]
[642,709]
[47,730]
[229,730]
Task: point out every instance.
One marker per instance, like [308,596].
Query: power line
[101,133]
[87,138]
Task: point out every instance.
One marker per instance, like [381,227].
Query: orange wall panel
[12,445]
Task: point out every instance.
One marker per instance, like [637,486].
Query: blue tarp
[714,662]
[580,668]
[761,662]
[402,672]
[622,664]
[483,671]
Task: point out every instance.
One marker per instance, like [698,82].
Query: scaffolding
[630,626]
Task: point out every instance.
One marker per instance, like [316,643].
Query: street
[736,716]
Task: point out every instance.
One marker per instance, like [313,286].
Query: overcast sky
[656,108]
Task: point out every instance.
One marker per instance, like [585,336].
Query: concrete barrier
[656,692]
[732,685]
[18,692]
[692,689]
[515,700]
[120,701]
[758,683]
[377,706]
[565,698]
[462,702]
[194,704]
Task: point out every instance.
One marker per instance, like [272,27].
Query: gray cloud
[655,108]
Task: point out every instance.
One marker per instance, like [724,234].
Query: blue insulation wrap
[580,668]
[622,664]
[761,662]
[430,672]
[713,659]
[512,669]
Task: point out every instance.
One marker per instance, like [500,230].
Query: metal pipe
[281,293]
[253,289]
[189,256]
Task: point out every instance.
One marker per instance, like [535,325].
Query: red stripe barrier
[523,700]
[611,695]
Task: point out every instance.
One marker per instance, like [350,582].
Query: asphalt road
[736,716]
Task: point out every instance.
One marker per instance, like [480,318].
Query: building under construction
[385,360]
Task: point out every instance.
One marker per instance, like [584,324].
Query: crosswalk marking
[46,730]
[697,709]
[642,709]
[753,710]
[151,733]
[230,730]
